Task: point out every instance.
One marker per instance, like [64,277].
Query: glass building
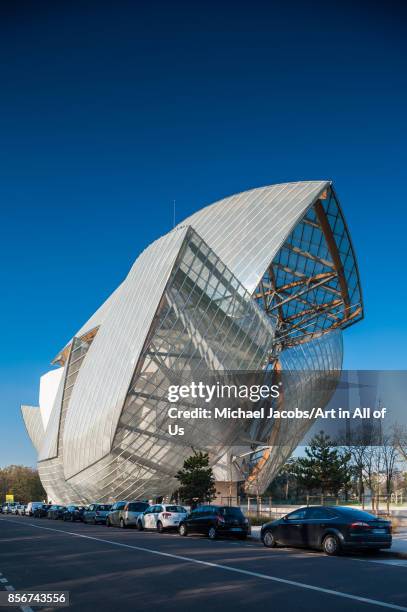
[264,280]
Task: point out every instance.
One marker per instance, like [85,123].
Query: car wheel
[94,521]
[183,530]
[122,524]
[269,540]
[212,533]
[108,524]
[140,526]
[160,527]
[330,545]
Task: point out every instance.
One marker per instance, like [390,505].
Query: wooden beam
[320,260]
[333,249]
[318,308]
[311,223]
[306,290]
[311,335]
[306,280]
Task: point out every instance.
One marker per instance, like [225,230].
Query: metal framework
[312,285]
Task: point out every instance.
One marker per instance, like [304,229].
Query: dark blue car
[332,529]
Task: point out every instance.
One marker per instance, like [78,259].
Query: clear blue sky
[109,111]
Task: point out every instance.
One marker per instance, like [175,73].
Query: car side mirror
[285,518]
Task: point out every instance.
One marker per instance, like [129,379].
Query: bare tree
[400,436]
[389,456]
[360,442]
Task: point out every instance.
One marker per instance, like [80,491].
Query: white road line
[228,568]
[397,562]
[9,587]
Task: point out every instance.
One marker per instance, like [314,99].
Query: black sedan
[55,512]
[73,513]
[41,511]
[331,529]
[215,521]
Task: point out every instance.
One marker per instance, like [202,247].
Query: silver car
[115,514]
[131,513]
[96,513]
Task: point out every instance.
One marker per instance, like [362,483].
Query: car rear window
[354,513]
[137,506]
[230,511]
[174,509]
[104,507]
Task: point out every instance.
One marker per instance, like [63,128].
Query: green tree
[324,468]
[23,482]
[197,483]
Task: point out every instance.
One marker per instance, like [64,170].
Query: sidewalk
[398,549]
[399,546]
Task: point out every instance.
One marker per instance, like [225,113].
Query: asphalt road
[112,569]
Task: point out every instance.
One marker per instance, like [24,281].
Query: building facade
[265,280]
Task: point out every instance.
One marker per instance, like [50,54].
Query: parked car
[161,517]
[15,508]
[41,511]
[96,513]
[331,529]
[131,513]
[8,507]
[21,510]
[215,521]
[114,515]
[55,511]
[73,513]
[31,506]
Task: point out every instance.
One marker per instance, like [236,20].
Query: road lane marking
[397,562]
[9,587]
[228,568]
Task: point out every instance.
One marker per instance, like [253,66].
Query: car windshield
[174,509]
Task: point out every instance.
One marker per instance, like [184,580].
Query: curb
[394,554]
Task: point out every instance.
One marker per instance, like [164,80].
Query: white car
[161,517]
[31,506]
